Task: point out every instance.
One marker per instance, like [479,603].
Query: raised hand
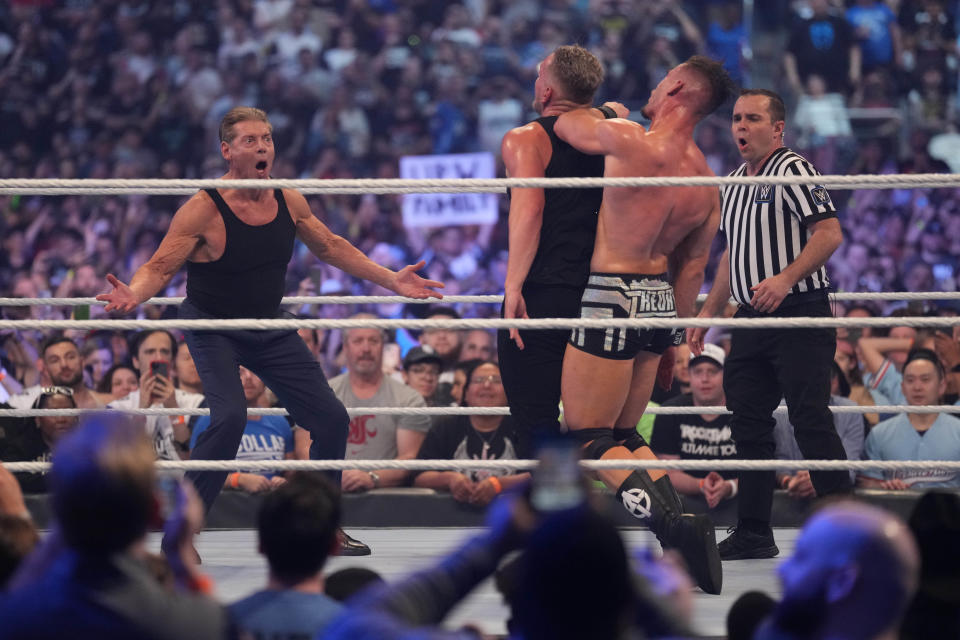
[121,298]
[408,283]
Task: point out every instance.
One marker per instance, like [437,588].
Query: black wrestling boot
[351,546]
[692,535]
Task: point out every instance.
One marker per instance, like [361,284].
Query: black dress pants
[531,377]
[766,365]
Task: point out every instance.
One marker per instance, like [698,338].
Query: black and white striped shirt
[768,226]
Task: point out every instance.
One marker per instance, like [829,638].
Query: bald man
[642,234]
[852,574]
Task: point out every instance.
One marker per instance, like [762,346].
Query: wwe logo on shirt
[820,195]
[637,502]
[764,193]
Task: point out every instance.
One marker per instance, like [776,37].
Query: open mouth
[261,165]
[742,142]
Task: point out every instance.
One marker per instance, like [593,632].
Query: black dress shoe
[351,546]
[747,545]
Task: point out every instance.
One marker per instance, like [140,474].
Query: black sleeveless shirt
[249,278]
[569,217]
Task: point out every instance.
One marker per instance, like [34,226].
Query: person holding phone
[170,434]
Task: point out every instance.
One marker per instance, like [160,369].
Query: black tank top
[249,278]
[569,217]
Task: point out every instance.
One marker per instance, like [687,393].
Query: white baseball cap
[711,353]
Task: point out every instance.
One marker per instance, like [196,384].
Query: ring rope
[525,465]
[486,323]
[472,411]
[477,299]
[55,186]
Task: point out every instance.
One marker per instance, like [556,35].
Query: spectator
[935,610]
[421,372]
[298,530]
[376,437]
[89,571]
[852,574]
[170,434]
[875,28]
[851,428]
[477,344]
[118,381]
[33,439]
[18,536]
[883,359]
[186,376]
[852,381]
[681,376]
[97,358]
[551,600]
[475,438]
[461,372]
[699,437]
[445,342]
[822,45]
[915,436]
[264,438]
[60,362]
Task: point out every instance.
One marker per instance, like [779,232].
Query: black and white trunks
[624,295]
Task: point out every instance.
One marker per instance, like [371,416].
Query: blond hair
[578,71]
[237,115]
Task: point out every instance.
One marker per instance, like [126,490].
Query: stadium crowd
[137,89]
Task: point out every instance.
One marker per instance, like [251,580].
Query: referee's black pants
[531,377]
[764,366]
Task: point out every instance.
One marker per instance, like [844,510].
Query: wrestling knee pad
[629,438]
[598,441]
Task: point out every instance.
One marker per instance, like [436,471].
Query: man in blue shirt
[297,526]
[915,436]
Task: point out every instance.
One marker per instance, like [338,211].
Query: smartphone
[558,482]
[160,368]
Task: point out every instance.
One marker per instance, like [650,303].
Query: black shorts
[623,295]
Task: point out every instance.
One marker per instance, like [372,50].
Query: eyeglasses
[485,379]
[56,391]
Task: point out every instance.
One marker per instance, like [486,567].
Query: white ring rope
[485,323]
[54,186]
[472,411]
[524,465]
[478,299]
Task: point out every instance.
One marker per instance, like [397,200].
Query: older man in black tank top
[551,236]
[237,243]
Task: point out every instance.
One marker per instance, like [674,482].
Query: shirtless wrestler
[643,235]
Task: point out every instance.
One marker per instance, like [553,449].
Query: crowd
[127,89]
[137,89]
[857,571]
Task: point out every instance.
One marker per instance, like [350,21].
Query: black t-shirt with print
[693,438]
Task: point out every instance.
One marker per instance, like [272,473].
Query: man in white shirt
[154,351]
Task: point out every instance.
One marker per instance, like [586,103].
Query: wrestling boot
[351,546]
[693,536]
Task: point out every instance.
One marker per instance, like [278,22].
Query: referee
[778,240]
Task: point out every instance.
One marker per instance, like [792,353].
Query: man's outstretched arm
[337,251]
[184,235]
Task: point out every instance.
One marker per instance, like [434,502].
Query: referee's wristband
[607,112]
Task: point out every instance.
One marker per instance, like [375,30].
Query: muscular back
[639,228]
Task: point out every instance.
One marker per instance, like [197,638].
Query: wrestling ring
[229,555]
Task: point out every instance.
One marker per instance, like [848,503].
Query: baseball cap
[711,353]
[423,353]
